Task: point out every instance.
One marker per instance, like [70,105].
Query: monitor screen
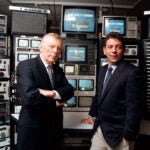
[114,24]
[79,19]
[69,69]
[73,82]
[35,43]
[85,84]
[3,45]
[76,53]
[33,55]
[83,69]
[85,101]
[23,43]
[22,57]
[72,102]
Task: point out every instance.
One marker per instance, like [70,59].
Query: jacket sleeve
[28,90]
[94,107]
[64,88]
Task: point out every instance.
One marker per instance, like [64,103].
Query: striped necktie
[107,79]
[50,74]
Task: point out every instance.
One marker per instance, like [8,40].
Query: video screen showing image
[23,43]
[73,82]
[115,25]
[22,57]
[79,20]
[71,102]
[69,69]
[86,84]
[35,43]
[33,55]
[76,54]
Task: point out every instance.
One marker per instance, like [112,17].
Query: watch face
[23,43]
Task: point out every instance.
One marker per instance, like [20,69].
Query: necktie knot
[49,67]
[110,69]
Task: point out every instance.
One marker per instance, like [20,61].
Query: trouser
[37,139]
[99,143]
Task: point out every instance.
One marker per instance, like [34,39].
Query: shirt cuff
[57,96]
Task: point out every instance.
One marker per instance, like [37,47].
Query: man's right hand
[88,120]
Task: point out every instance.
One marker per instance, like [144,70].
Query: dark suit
[39,115]
[118,110]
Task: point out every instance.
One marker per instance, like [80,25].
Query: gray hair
[55,35]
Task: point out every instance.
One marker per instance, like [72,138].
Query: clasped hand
[51,94]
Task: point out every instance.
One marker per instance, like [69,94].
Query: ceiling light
[147,12]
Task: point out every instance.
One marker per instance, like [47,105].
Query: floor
[142,143]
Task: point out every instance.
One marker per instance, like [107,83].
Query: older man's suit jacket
[118,110]
[37,109]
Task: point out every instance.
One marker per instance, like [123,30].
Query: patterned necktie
[108,76]
[50,74]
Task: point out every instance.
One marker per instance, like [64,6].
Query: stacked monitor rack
[25,47]
[79,64]
[146,47]
[4,85]
[127,27]
[25,38]
[78,60]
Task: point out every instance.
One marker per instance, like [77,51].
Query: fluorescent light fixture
[147,12]
[36,10]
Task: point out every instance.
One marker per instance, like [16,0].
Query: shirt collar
[113,67]
[45,64]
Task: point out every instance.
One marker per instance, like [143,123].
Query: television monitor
[76,53]
[32,23]
[69,69]
[3,45]
[33,55]
[84,69]
[23,43]
[72,102]
[22,57]
[35,43]
[85,101]
[114,24]
[73,82]
[78,19]
[85,84]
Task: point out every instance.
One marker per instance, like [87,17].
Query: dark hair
[114,35]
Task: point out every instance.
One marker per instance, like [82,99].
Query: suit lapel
[101,77]
[113,79]
[42,70]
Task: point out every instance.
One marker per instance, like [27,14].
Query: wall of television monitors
[84,87]
[26,47]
